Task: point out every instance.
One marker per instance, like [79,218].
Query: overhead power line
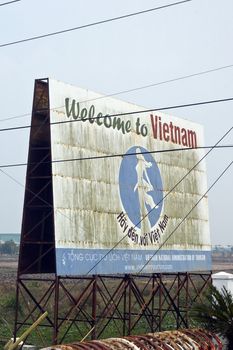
[37,195]
[113,247]
[93,24]
[135,89]
[9,2]
[172,233]
[16,117]
[185,217]
[41,199]
[194,104]
[15,165]
[43,219]
[166,195]
[161,82]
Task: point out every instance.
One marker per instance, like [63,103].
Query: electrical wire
[194,104]
[181,180]
[16,117]
[37,194]
[213,184]
[41,199]
[185,217]
[134,153]
[164,197]
[114,156]
[93,24]
[184,176]
[50,205]
[79,159]
[9,2]
[161,82]
[133,89]
[148,213]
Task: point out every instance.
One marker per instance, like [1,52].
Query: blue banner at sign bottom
[76,261]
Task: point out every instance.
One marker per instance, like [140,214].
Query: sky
[146,49]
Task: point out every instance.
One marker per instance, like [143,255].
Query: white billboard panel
[115,197]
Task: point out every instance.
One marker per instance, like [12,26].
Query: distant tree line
[9,247]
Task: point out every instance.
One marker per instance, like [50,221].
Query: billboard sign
[112,203]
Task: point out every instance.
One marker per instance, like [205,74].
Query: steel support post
[130,303]
[16,309]
[56,309]
[94,306]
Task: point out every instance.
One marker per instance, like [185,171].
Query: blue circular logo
[141,188]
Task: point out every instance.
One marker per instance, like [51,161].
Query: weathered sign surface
[119,202]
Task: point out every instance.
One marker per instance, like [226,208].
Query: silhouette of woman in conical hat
[144,187]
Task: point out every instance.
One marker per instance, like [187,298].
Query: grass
[43,335]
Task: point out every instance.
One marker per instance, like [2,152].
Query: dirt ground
[8,269]
[222,264]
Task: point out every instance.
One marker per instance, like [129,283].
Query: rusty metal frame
[95,302]
[37,246]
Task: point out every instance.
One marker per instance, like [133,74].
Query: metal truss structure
[97,305]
